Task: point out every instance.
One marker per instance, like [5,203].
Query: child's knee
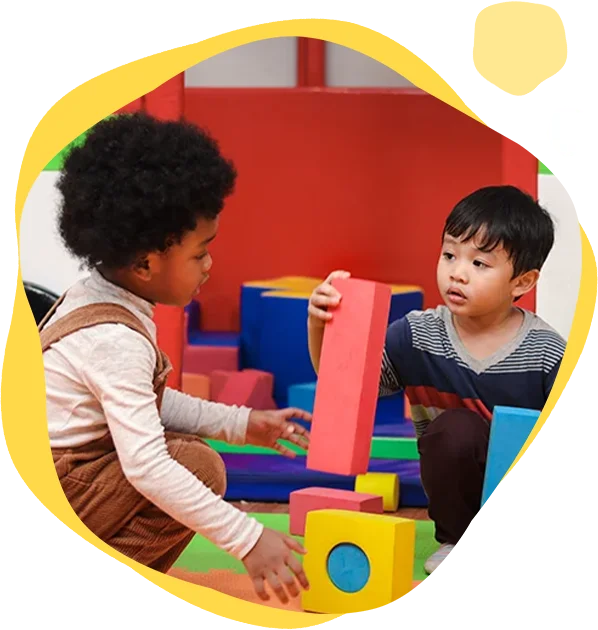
[455,434]
[201,460]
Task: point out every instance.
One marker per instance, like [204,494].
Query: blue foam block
[273,478]
[221,339]
[403,303]
[283,347]
[251,326]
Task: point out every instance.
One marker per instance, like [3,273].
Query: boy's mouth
[456,295]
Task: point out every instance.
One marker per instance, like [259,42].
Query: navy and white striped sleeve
[396,336]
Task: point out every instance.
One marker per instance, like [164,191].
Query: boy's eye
[202,256]
[448,255]
[480,264]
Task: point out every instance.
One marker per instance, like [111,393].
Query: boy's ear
[525,283]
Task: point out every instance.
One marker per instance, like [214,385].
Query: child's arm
[119,372]
[324,299]
[188,414]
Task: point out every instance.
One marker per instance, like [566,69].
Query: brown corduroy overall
[91,475]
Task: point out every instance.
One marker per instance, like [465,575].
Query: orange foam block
[197,385]
[206,359]
[348,379]
[251,388]
[309,499]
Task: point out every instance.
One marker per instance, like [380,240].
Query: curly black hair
[137,185]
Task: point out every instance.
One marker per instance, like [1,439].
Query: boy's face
[175,276]
[474,283]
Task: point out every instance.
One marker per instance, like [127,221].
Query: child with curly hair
[140,206]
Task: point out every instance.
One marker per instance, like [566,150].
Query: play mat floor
[204,564]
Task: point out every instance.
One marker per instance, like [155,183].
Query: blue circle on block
[348,568]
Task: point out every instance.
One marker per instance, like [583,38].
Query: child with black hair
[458,361]
[141,201]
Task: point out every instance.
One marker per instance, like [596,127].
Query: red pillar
[311,67]
[166,102]
[520,168]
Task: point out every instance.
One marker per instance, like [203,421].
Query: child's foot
[435,559]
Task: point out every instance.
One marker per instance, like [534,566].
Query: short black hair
[508,217]
[137,185]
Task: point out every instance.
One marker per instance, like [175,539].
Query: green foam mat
[202,556]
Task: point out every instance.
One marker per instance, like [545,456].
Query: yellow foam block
[388,543]
[405,288]
[385,485]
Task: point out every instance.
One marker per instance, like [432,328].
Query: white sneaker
[436,558]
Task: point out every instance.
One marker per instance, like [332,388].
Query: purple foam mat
[273,478]
[400,429]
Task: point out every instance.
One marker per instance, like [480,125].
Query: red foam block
[348,379]
[206,359]
[309,499]
[251,388]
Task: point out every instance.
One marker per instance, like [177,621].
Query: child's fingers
[294,545]
[274,582]
[294,412]
[288,580]
[339,273]
[283,450]
[297,568]
[323,300]
[260,588]
[318,313]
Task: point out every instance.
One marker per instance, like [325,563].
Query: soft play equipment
[385,485]
[203,359]
[250,388]
[197,385]
[266,477]
[349,375]
[356,561]
[301,502]
[274,331]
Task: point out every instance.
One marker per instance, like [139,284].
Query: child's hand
[265,428]
[324,298]
[272,560]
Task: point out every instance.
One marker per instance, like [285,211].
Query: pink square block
[206,359]
[251,388]
[309,499]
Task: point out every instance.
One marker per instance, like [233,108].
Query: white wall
[267,63]
[43,257]
[559,281]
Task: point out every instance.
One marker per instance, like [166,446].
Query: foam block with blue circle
[356,561]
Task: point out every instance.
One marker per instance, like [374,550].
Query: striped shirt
[425,357]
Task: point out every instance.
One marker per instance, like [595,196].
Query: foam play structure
[386,485]
[271,348]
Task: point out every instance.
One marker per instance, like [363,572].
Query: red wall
[361,180]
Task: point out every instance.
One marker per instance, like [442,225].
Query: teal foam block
[552,482]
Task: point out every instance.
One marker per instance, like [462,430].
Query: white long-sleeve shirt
[100,379]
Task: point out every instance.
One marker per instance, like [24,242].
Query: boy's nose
[207,262]
[458,274]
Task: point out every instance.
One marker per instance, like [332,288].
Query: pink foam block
[251,388]
[206,359]
[309,499]
[348,379]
